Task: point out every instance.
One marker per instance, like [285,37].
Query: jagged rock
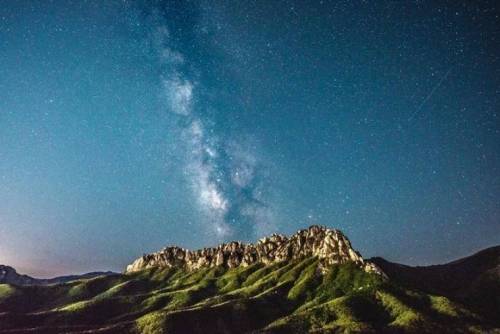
[329,245]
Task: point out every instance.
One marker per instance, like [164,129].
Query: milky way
[224,175]
[126,126]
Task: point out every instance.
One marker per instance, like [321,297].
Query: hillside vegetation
[284,297]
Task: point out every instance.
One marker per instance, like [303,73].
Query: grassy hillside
[473,281]
[280,298]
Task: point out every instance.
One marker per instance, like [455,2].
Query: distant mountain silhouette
[9,275]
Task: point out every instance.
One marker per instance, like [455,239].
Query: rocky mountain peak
[331,246]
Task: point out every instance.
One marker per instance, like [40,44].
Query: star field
[126,126]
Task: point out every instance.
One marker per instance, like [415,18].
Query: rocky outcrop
[329,245]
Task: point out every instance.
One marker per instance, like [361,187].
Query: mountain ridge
[331,246]
[311,282]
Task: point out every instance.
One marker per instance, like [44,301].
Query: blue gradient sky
[126,126]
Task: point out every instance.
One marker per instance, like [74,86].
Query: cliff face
[330,246]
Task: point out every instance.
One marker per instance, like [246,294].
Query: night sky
[128,126]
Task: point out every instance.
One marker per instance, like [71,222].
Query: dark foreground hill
[301,284]
[473,281]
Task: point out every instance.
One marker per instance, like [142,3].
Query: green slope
[473,281]
[279,298]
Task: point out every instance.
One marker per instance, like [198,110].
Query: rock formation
[329,245]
